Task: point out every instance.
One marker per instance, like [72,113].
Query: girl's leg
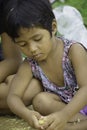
[4,89]
[47,103]
[33,88]
[77,126]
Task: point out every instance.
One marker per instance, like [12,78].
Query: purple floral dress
[70,87]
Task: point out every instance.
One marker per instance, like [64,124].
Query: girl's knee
[38,100]
[41,103]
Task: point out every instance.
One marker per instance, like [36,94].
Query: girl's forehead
[23,31]
[31,31]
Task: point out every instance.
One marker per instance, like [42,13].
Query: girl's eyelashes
[22,44]
[37,39]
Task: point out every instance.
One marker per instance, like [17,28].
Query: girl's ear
[54,27]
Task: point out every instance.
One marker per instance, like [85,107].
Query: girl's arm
[12,57]
[18,87]
[78,57]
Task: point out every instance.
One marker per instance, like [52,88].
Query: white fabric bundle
[70,24]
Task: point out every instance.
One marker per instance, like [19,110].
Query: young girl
[59,64]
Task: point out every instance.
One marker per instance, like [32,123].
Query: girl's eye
[22,44]
[38,39]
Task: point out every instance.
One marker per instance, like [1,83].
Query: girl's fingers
[44,122]
[36,123]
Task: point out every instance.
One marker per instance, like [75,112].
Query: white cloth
[70,24]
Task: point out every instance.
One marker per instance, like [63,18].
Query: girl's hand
[55,121]
[33,119]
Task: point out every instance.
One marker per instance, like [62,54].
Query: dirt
[13,123]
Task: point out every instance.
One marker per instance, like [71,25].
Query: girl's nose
[32,47]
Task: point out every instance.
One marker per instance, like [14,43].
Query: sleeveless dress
[70,87]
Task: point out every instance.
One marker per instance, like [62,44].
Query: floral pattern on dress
[70,87]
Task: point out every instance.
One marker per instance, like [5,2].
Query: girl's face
[35,43]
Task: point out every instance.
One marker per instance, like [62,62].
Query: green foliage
[81,5]
[0,40]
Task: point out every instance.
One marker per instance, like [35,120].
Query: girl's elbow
[10,100]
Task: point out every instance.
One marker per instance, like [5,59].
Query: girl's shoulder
[69,43]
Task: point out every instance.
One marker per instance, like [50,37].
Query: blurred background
[80,5]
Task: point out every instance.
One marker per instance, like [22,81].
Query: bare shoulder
[25,69]
[22,78]
[78,58]
[78,52]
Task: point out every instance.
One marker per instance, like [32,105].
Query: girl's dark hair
[27,13]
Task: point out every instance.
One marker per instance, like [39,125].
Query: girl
[59,64]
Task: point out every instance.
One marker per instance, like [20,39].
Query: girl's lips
[37,55]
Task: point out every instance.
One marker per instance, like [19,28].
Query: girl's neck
[55,49]
[55,52]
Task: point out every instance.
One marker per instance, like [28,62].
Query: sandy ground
[9,122]
[13,123]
